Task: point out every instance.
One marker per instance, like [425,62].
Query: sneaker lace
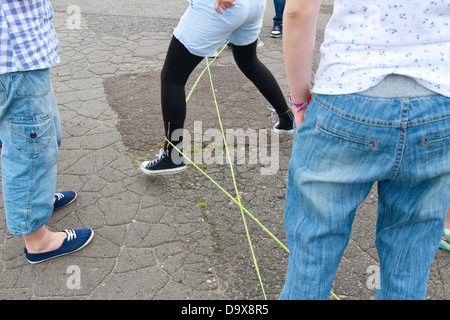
[59,195]
[70,234]
[158,156]
[274,115]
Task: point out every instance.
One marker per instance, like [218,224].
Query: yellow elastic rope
[236,200]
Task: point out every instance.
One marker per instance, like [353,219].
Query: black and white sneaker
[277,31]
[279,128]
[285,122]
[163,164]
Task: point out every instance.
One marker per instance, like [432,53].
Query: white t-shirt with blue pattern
[367,40]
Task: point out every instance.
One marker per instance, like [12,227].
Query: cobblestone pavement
[175,237]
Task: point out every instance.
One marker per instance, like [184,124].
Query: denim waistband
[395,86]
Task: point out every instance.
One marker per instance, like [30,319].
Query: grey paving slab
[176,237]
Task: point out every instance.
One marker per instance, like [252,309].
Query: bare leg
[43,240]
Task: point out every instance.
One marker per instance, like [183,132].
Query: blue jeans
[279,9]
[345,145]
[30,132]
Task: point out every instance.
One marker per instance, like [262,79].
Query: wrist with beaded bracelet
[302,105]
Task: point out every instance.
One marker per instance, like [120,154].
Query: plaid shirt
[28,40]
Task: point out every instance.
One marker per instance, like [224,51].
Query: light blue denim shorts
[345,145]
[202,30]
[30,132]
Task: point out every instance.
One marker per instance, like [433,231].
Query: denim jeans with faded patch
[279,9]
[346,144]
[30,132]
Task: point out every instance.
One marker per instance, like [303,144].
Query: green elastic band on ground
[234,182]
[238,201]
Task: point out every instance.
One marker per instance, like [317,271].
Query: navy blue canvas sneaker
[75,240]
[64,198]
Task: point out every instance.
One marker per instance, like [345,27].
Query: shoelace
[59,195]
[70,234]
[158,156]
[274,115]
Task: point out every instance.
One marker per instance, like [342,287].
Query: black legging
[179,65]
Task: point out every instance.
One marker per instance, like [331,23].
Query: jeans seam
[30,192]
[388,124]
[393,124]
[401,139]
[419,122]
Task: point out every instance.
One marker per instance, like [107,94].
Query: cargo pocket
[31,136]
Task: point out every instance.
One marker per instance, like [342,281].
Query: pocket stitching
[2,92]
[345,136]
[24,76]
[436,138]
[34,146]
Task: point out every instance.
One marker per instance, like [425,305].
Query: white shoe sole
[444,245]
[66,253]
[282,131]
[160,172]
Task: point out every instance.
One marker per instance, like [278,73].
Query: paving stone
[175,237]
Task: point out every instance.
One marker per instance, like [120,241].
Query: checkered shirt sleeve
[28,40]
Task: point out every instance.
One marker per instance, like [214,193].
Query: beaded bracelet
[302,105]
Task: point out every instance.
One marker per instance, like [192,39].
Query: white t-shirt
[367,40]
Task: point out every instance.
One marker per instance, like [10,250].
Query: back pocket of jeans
[346,137]
[435,139]
[31,136]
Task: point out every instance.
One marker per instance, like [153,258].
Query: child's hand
[224,4]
